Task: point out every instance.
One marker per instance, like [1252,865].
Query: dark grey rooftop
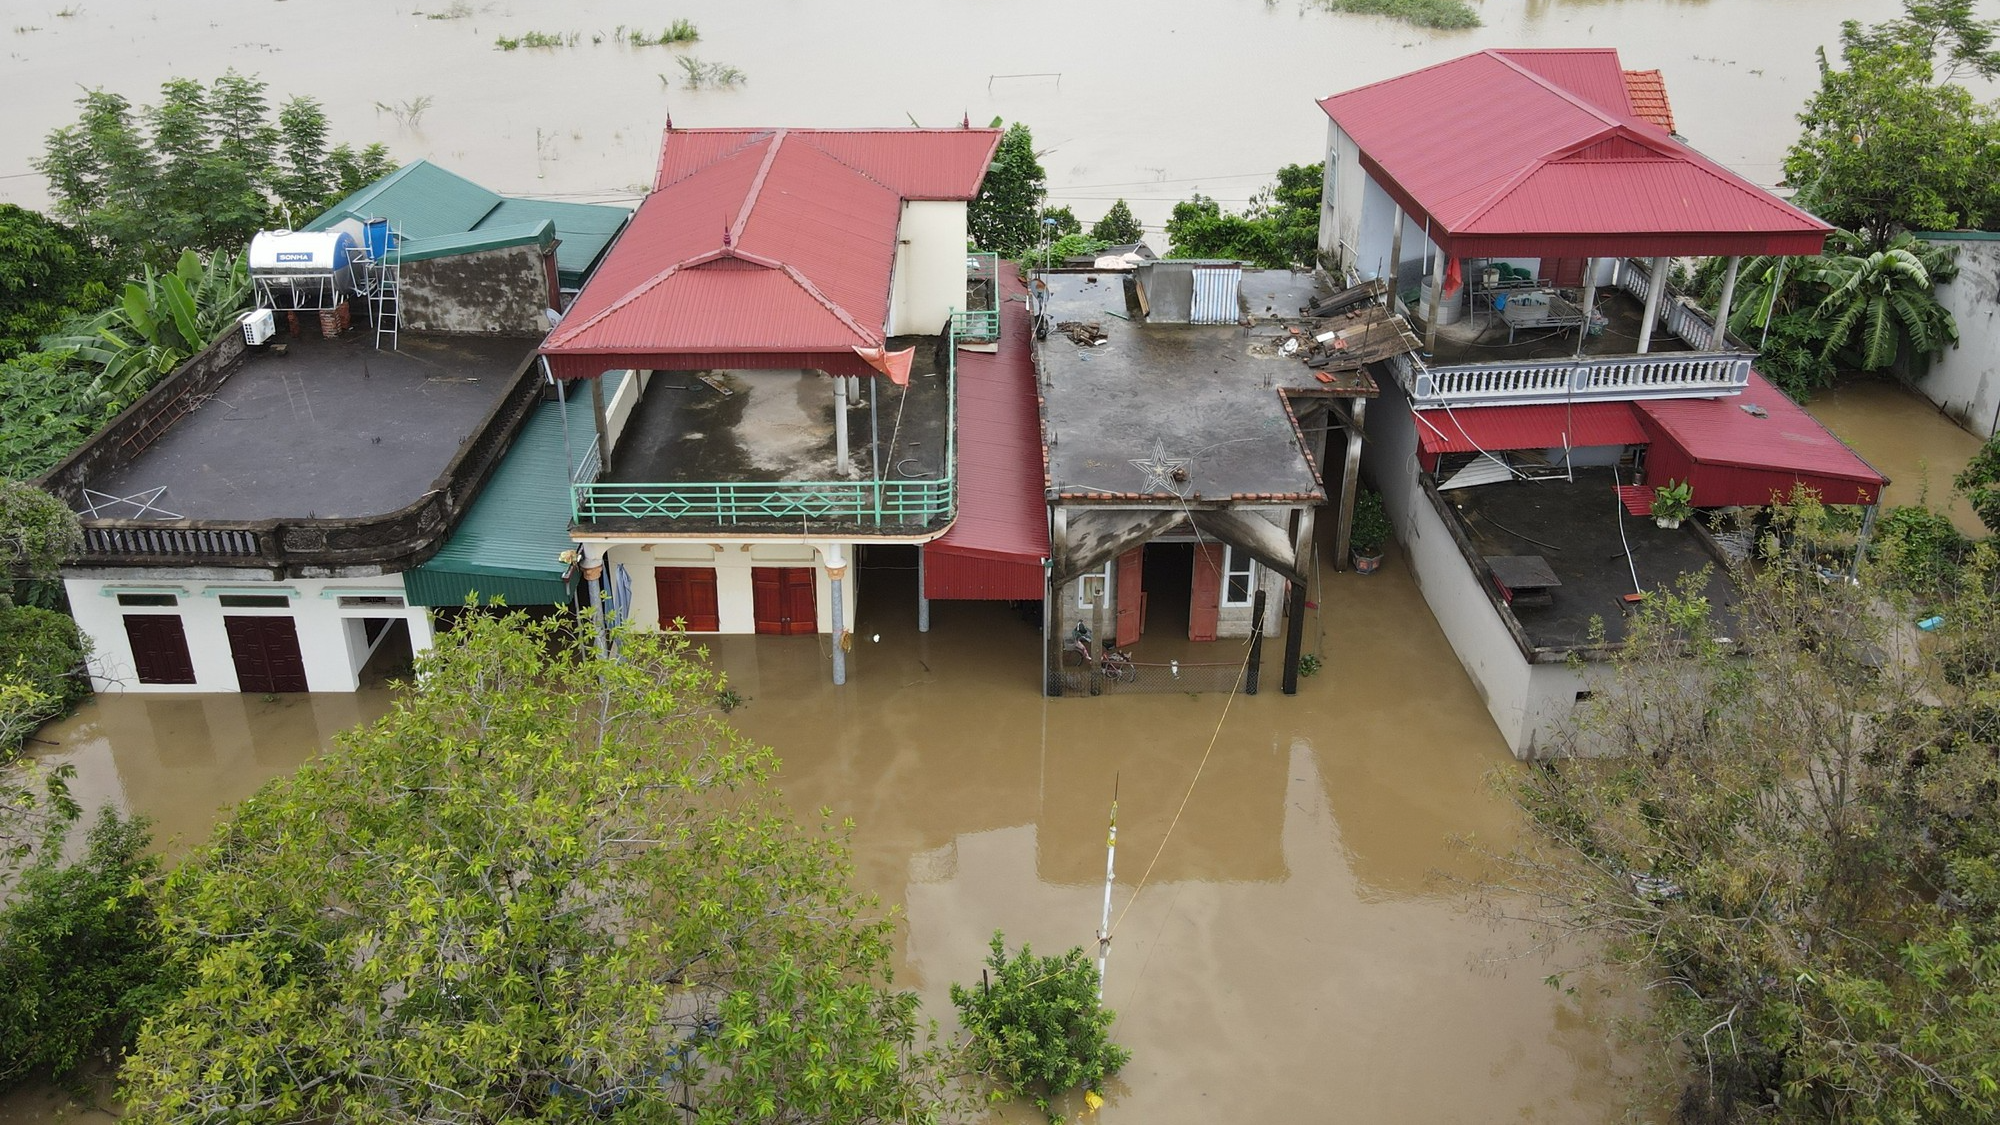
[779,426]
[1481,337]
[333,428]
[1574,526]
[1206,394]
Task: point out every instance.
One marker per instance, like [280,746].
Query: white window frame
[1093,590]
[1231,557]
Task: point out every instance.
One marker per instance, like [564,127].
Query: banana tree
[1875,301]
[159,321]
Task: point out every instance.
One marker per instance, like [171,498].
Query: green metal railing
[872,503]
[982,297]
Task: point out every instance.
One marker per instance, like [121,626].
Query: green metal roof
[485,238]
[509,544]
[433,206]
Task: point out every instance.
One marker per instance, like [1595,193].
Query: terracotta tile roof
[1646,90]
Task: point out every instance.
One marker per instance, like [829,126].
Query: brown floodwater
[1296,946]
[1146,99]
[1908,439]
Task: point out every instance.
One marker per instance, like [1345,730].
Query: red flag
[896,365]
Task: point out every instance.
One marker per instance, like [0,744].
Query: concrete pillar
[593,585]
[1657,286]
[603,423]
[1721,338]
[1589,302]
[1350,478]
[1437,296]
[836,572]
[1396,260]
[923,603]
[840,427]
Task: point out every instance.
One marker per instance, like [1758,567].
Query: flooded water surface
[1908,439]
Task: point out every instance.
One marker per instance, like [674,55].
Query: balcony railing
[982,300]
[1699,374]
[758,504]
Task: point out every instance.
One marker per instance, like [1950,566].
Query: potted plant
[1370,531]
[1672,503]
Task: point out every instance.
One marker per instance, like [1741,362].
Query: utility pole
[1110,870]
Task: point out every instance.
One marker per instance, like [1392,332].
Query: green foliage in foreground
[549,886]
[1795,844]
[49,405]
[1038,1029]
[1980,481]
[1443,14]
[41,659]
[161,320]
[80,952]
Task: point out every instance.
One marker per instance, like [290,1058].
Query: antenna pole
[1110,870]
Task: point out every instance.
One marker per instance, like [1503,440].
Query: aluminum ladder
[385,303]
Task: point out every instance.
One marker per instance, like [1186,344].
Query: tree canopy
[1796,841]
[1892,139]
[204,169]
[48,273]
[549,886]
[1006,217]
[1278,230]
[1118,226]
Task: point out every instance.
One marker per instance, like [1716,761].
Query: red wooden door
[1205,604]
[1131,593]
[783,600]
[266,652]
[687,594]
[159,648]
[1566,273]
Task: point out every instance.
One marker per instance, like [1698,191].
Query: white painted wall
[1965,380]
[329,634]
[732,561]
[1528,702]
[618,411]
[929,281]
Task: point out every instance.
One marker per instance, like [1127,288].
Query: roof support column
[1343,527]
[923,603]
[840,429]
[1720,339]
[836,571]
[1396,260]
[1437,296]
[1589,303]
[1656,284]
[603,422]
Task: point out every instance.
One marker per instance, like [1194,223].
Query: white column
[1657,286]
[1721,338]
[840,427]
[1396,259]
[923,603]
[1589,302]
[593,572]
[836,571]
[1437,295]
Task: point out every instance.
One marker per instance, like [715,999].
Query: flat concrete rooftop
[1208,395]
[331,429]
[778,425]
[1481,337]
[1574,527]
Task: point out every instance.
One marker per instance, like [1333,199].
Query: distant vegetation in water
[537,39]
[678,33]
[1423,13]
[695,73]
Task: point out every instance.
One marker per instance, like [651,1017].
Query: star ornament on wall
[1164,473]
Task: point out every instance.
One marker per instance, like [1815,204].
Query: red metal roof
[1747,448]
[774,244]
[995,548]
[1496,428]
[1539,153]
[1646,90]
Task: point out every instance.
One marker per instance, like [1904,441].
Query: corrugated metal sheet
[1502,428]
[1646,90]
[509,541]
[995,548]
[1731,455]
[1591,73]
[1215,289]
[1507,160]
[797,258]
[914,163]
[449,214]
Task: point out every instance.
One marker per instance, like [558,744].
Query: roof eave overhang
[588,363]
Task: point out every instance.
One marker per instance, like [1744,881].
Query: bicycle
[1081,667]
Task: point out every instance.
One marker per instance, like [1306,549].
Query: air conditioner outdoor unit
[258,326]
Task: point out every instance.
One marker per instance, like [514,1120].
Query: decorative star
[1164,473]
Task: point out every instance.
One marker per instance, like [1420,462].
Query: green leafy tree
[48,274]
[1279,229]
[1006,217]
[1118,226]
[1793,841]
[1892,141]
[80,951]
[48,407]
[204,169]
[1880,302]
[1038,1028]
[37,531]
[163,318]
[1980,482]
[549,886]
